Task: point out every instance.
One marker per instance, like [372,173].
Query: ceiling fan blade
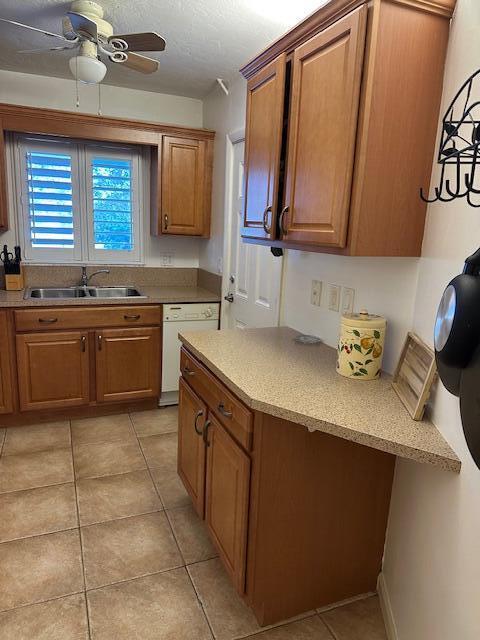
[43,50]
[83,25]
[141,63]
[149,41]
[26,26]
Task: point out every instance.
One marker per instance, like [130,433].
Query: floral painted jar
[360,346]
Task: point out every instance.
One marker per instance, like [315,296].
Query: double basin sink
[56,293]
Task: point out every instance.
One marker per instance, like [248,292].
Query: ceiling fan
[85,30]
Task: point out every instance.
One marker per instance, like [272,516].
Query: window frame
[81,151]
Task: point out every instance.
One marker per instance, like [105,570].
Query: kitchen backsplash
[68,275]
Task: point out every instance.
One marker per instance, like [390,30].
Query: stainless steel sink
[82,292]
[51,292]
[114,292]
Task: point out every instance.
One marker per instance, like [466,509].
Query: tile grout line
[329,628]
[199,600]
[80,534]
[185,566]
[157,492]
[33,604]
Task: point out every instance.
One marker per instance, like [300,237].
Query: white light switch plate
[316,293]
[348,296]
[334,297]
[167,259]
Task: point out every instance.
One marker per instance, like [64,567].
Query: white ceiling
[206,39]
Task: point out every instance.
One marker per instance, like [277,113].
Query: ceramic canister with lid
[360,346]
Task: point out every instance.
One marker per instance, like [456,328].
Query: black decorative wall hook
[459,152]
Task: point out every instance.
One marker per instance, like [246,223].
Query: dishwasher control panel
[191,311]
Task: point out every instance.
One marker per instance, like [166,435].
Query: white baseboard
[386,607]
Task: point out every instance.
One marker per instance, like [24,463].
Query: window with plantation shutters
[79,202]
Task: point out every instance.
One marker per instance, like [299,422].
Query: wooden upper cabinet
[265,110]
[227,500]
[53,370]
[327,71]
[191,459]
[363,89]
[6,387]
[185,191]
[127,364]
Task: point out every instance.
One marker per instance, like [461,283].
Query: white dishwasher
[179,318]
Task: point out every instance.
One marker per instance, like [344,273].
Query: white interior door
[252,276]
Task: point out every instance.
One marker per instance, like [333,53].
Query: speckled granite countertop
[271,373]
[154,295]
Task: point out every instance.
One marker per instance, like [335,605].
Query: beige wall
[432,558]
[225,114]
[59,93]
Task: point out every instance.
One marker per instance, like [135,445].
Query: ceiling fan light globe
[87,69]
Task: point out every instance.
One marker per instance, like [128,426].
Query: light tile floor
[98,540]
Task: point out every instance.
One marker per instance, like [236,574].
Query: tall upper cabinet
[184,185]
[341,124]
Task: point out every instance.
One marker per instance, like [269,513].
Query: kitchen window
[79,201]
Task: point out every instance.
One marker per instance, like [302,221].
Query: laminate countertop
[153,295]
[272,373]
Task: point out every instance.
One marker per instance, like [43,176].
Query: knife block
[14,281]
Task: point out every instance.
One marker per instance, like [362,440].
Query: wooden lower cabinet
[53,370]
[192,416]
[79,358]
[298,518]
[6,387]
[226,504]
[127,363]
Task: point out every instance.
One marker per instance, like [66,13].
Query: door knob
[229,297]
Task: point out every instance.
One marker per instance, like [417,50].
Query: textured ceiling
[206,39]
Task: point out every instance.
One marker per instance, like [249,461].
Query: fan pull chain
[99,99]
[76,83]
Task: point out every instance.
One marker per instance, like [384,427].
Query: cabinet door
[263,142]
[192,414]
[127,364]
[327,72]
[184,197]
[227,492]
[53,370]
[6,390]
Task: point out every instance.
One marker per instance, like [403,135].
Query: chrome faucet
[86,279]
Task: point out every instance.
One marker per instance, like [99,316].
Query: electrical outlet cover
[348,296]
[316,293]
[334,297]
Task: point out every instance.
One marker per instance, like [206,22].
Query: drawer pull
[84,343]
[136,317]
[198,415]
[208,424]
[48,320]
[188,372]
[224,412]
[99,341]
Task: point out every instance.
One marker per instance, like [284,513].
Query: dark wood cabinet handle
[48,320]
[197,416]
[188,372]
[84,343]
[208,424]
[136,317]
[99,342]
[281,222]
[224,412]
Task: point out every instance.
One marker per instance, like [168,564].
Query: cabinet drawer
[232,414]
[54,318]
